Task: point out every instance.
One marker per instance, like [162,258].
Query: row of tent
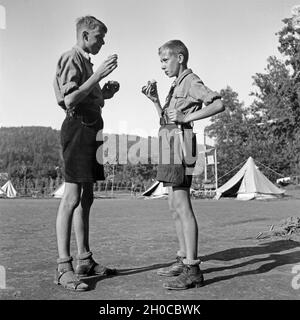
[8,191]
[247,184]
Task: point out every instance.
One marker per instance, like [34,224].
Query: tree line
[32,158]
[268,129]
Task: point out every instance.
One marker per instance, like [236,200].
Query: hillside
[29,148]
[37,150]
[31,157]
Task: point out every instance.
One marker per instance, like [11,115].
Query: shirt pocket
[180,100]
[184,102]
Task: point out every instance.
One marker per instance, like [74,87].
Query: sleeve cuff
[68,88]
[211,97]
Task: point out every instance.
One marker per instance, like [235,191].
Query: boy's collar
[183,75]
[83,53]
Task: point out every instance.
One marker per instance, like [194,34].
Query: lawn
[137,236]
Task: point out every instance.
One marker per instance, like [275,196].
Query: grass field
[137,237]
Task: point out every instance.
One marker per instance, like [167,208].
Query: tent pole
[216,169]
[205,164]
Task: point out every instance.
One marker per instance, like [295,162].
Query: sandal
[68,280]
[94,269]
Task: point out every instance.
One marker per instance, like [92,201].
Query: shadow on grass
[245,221]
[242,252]
[92,281]
[272,261]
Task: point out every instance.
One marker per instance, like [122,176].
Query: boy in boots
[178,155]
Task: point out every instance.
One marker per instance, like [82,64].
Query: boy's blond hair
[176,47]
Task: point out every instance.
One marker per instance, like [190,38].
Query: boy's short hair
[89,22]
[177,47]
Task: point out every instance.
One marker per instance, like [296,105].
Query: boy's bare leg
[178,224]
[65,275]
[191,275]
[184,209]
[81,218]
[176,268]
[69,202]
[86,265]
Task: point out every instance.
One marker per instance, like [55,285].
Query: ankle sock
[84,258]
[65,263]
[191,262]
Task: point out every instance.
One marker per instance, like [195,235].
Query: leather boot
[173,270]
[191,277]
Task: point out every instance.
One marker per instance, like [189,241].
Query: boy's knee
[174,213]
[178,205]
[182,209]
[71,201]
[172,209]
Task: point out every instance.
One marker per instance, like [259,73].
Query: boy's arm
[158,108]
[200,92]
[151,93]
[215,107]
[76,96]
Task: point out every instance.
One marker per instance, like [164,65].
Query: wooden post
[216,169]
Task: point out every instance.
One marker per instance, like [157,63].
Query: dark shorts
[187,182]
[79,148]
[178,171]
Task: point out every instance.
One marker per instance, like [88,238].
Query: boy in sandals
[178,155]
[78,92]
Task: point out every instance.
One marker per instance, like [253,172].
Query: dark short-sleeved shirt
[73,69]
[189,94]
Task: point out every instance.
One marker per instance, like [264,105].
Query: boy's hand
[176,116]
[109,65]
[150,91]
[110,88]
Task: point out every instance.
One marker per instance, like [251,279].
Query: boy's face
[169,63]
[94,40]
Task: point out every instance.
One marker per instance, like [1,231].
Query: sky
[229,41]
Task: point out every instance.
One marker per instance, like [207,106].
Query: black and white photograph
[149,157]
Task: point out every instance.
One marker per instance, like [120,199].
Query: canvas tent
[8,190]
[249,183]
[58,193]
[157,190]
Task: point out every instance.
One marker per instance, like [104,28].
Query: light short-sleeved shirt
[73,69]
[189,94]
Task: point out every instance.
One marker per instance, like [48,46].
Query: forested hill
[29,148]
[37,150]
